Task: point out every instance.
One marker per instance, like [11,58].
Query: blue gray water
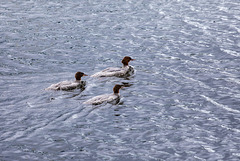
[183,103]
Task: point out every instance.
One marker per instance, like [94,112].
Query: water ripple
[181,104]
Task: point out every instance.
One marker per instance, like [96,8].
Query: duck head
[116,88]
[79,75]
[126,60]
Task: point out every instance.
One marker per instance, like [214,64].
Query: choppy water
[183,103]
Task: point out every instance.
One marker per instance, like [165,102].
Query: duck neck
[125,63]
[116,91]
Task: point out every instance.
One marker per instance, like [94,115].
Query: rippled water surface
[183,103]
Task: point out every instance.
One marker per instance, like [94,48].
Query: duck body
[124,71]
[115,72]
[113,98]
[67,85]
[106,98]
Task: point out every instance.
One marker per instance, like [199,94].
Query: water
[181,104]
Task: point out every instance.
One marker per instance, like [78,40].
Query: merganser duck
[113,98]
[69,85]
[126,70]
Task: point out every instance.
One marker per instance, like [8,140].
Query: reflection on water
[182,103]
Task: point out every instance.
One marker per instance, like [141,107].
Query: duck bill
[133,59]
[85,75]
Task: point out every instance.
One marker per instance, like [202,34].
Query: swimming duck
[126,70]
[113,98]
[69,85]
